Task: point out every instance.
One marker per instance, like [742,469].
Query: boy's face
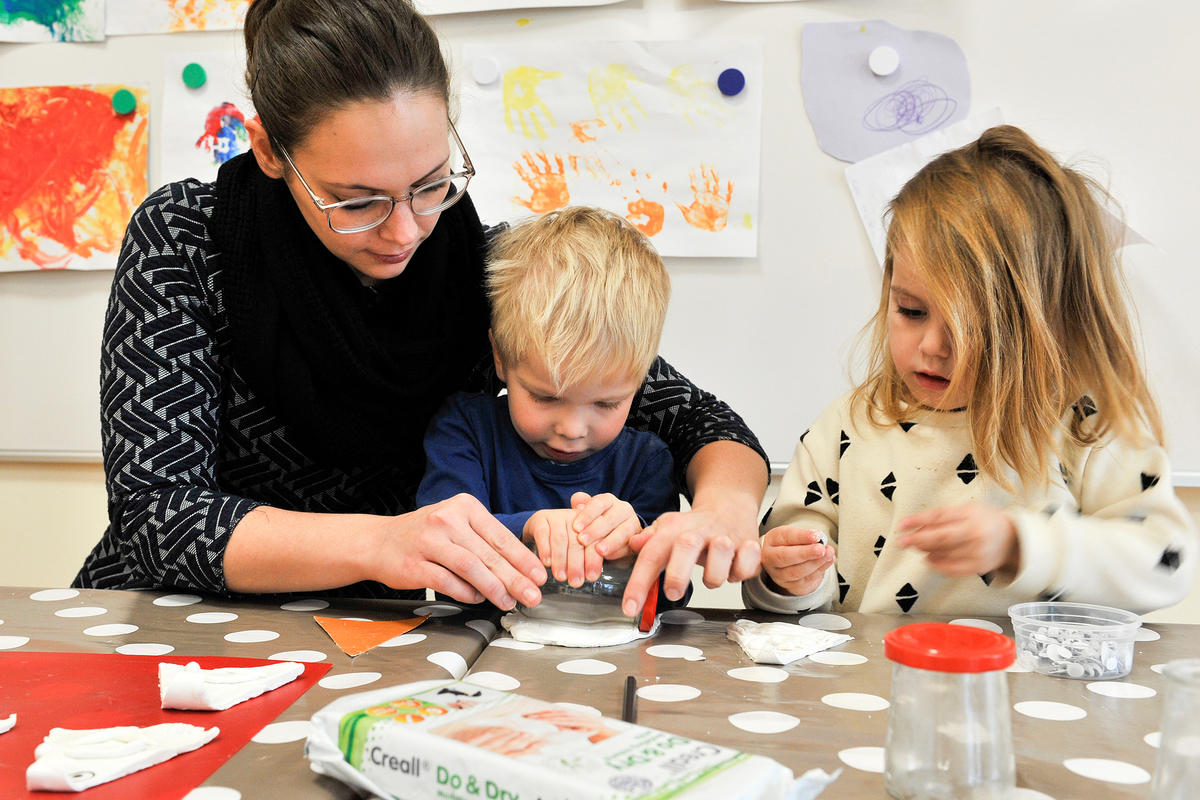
[920,340]
[567,426]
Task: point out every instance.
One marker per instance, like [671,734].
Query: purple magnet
[731,82]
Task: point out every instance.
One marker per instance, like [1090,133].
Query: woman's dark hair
[306,58]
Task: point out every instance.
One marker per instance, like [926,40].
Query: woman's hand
[959,541]
[456,547]
[796,558]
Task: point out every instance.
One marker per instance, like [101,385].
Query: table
[697,697]
[700,695]
[441,647]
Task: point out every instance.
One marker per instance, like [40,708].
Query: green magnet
[123,101]
[194,76]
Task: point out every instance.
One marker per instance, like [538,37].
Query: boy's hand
[796,558]
[558,546]
[606,522]
[960,541]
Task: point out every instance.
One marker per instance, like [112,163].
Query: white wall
[52,514]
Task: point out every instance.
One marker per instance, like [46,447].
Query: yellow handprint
[612,96]
[548,186]
[708,211]
[521,99]
[693,97]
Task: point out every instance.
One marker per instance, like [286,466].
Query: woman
[277,341]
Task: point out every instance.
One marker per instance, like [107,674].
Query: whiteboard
[1102,83]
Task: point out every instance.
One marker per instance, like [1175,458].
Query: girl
[277,341]
[1005,445]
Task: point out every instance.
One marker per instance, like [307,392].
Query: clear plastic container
[949,733]
[1074,640]
[1177,774]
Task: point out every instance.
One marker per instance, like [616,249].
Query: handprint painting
[638,128]
[52,20]
[71,172]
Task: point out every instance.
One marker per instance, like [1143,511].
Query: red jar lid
[942,647]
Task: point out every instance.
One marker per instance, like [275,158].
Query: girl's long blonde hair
[1020,257]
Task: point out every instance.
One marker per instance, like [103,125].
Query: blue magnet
[731,82]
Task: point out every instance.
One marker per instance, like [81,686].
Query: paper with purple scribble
[856,113]
[875,181]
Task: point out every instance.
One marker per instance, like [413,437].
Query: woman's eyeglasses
[364,213]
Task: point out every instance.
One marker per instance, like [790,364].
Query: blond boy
[578,302]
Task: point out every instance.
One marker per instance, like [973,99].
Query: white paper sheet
[172,16]
[856,113]
[204,127]
[875,181]
[639,128]
[55,22]
[432,7]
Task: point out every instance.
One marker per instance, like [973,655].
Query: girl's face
[368,148]
[919,339]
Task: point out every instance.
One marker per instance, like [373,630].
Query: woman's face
[373,148]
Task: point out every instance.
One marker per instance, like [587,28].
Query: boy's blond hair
[1020,258]
[582,291]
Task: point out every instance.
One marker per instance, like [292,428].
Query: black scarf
[355,372]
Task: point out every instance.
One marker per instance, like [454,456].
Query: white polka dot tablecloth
[830,710]
[178,625]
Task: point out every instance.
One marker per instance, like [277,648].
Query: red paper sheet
[100,690]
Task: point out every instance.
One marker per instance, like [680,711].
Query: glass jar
[592,602]
[949,733]
[1177,773]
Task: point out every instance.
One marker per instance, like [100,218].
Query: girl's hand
[960,541]
[458,548]
[559,548]
[796,558]
[606,522]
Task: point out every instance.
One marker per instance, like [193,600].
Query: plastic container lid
[943,647]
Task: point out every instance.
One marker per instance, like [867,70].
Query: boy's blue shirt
[471,447]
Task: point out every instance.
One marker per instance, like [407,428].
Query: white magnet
[884,60]
[485,70]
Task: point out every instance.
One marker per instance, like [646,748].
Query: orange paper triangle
[356,636]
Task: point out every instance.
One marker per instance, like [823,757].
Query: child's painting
[638,128]
[204,127]
[51,20]
[170,16]
[72,170]
[431,7]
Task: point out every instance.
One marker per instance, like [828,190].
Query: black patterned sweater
[189,449]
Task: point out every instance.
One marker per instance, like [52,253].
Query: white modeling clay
[71,761]
[191,688]
[6,723]
[781,642]
[573,634]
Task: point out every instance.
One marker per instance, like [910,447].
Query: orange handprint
[646,215]
[709,211]
[548,186]
[582,130]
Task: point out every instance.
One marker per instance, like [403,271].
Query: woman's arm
[171,524]
[454,547]
[725,471]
